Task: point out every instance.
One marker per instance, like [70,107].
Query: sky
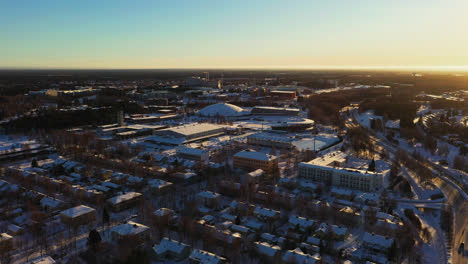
[143,34]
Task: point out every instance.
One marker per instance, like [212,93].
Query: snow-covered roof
[339,231]
[271,137]
[298,256]
[163,211]
[265,212]
[191,151]
[313,240]
[340,170]
[301,221]
[204,257]
[124,197]
[190,129]
[267,249]
[341,191]
[255,173]
[42,260]
[209,195]
[157,183]
[129,228]
[50,202]
[377,240]
[169,245]
[276,108]
[255,155]
[222,109]
[239,228]
[13,228]
[385,216]
[5,236]
[395,124]
[270,238]
[77,211]
[254,224]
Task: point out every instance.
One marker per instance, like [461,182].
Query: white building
[341,177]
[204,257]
[130,229]
[193,153]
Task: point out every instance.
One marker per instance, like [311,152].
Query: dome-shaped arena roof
[221,110]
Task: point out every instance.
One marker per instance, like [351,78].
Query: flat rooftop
[255,155]
[77,211]
[187,130]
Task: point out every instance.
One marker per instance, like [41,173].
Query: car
[461,248]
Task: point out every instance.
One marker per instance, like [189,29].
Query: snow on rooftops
[305,184]
[163,211]
[265,212]
[313,241]
[272,239]
[134,179]
[191,151]
[382,215]
[50,202]
[254,224]
[394,124]
[157,183]
[227,216]
[298,256]
[185,175]
[328,159]
[276,108]
[208,195]
[208,218]
[129,228]
[204,257]
[250,154]
[14,228]
[173,246]
[339,231]
[301,221]
[256,173]
[376,241]
[124,197]
[341,191]
[240,229]
[4,237]
[42,260]
[195,128]
[267,249]
[110,185]
[222,109]
[77,211]
[272,137]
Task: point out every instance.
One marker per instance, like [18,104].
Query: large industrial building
[186,133]
[270,110]
[271,140]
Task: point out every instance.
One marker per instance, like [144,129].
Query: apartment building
[252,160]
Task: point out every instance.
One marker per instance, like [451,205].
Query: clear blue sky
[225,34]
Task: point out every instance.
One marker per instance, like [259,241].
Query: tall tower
[207,76]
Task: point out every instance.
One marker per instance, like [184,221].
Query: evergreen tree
[372,166]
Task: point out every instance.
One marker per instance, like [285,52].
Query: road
[456,197]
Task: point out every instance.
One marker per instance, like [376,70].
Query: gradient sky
[233,33]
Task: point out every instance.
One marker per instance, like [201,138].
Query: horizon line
[463,68]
